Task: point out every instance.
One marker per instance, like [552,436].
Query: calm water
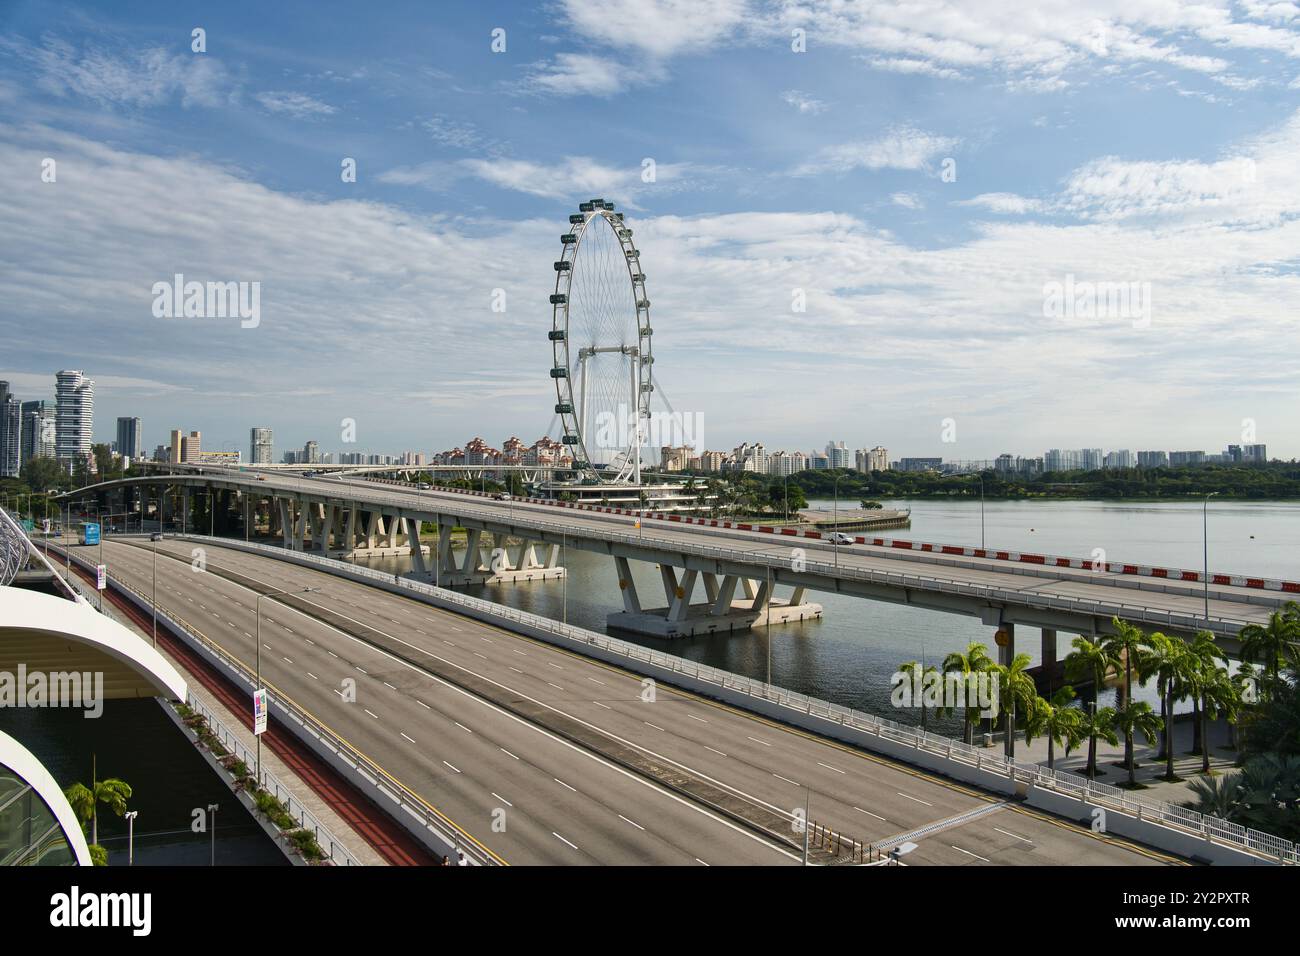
[848,656]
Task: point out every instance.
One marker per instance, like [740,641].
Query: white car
[839,537]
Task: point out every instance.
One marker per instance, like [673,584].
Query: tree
[85,802]
[1209,659]
[1094,723]
[1132,718]
[1273,644]
[974,660]
[1217,796]
[1090,661]
[1128,644]
[1168,661]
[871,504]
[1015,691]
[1056,720]
[917,674]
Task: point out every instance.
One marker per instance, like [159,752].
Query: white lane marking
[700,719]
[266,645]
[502,799]
[829,767]
[600,682]
[757,741]
[910,797]
[462,726]
[519,652]
[599,704]
[422,703]
[362,669]
[246,634]
[561,839]
[286,660]
[633,822]
[655,726]
[786,779]
[312,676]
[477,654]
[332,654]
[411,739]
[516,670]
[969,853]
[371,713]
[449,643]
[556,666]
[1015,836]
[718,752]
[393,686]
[486,641]
[453,768]
[563,784]
[870,814]
[700,862]
[309,641]
[506,752]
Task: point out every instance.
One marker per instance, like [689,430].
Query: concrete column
[446,560]
[1049,648]
[680,607]
[710,586]
[631,603]
[350,535]
[668,574]
[726,594]
[762,598]
[394,530]
[1007,652]
[417,550]
[472,556]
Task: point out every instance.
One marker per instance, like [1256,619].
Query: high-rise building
[311,453]
[1153,459]
[1121,458]
[11,429]
[174,450]
[37,439]
[1254,454]
[191,448]
[129,443]
[74,416]
[838,455]
[261,446]
[1177,458]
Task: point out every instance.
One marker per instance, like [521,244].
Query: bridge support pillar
[417,549]
[721,610]
[1006,644]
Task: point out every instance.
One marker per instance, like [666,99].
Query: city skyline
[974,237]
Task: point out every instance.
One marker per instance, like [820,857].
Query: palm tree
[917,673]
[85,801]
[1094,723]
[1209,658]
[1273,644]
[1217,796]
[1056,720]
[1090,661]
[1015,686]
[1133,718]
[1169,662]
[974,660]
[1127,643]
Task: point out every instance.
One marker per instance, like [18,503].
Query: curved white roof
[24,611]
[24,763]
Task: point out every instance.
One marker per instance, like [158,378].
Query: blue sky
[1105,142]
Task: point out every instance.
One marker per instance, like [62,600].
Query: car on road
[501,496]
[839,537]
[156,536]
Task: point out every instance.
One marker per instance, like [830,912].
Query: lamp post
[154,599]
[212,828]
[981,478]
[130,836]
[835,521]
[1205,543]
[257,628]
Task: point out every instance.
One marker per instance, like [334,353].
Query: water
[849,655]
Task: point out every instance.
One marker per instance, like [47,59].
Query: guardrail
[338,853]
[372,773]
[1100,794]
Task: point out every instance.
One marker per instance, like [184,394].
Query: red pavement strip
[389,839]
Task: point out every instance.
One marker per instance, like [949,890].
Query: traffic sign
[101,576]
[259,711]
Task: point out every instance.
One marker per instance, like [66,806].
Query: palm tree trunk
[1169,735]
[1198,739]
[1128,696]
[1164,733]
[1204,721]
[1051,751]
[1092,756]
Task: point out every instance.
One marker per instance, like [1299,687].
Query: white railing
[1167,814]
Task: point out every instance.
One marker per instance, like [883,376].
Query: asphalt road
[561,801]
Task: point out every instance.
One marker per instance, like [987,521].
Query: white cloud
[907,200]
[298,105]
[803,102]
[582,74]
[658,28]
[1003,203]
[900,64]
[900,148]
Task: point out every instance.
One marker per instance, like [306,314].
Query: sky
[864,222]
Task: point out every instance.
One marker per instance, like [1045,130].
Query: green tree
[1135,717]
[85,801]
[1127,644]
[1273,644]
[1016,692]
[1217,796]
[1056,720]
[973,660]
[917,674]
[1090,661]
[1168,661]
[1094,724]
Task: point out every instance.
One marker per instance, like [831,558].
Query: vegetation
[85,802]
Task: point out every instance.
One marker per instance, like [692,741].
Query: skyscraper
[38,431]
[192,448]
[261,446]
[74,420]
[11,426]
[129,444]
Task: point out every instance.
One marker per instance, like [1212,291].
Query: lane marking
[700,719]
[453,768]
[718,752]
[506,752]
[969,853]
[371,713]
[462,726]
[599,704]
[655,726]
[829,767]
[910,797]
[411,739]
[633,822]
[561,839]
[563,784]
[1015,836]
[757,741]
[786,779]
[502,799]
[870,814]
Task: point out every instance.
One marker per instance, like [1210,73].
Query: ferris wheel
[600,341]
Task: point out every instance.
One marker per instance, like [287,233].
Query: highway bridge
[739,569]
[542,756]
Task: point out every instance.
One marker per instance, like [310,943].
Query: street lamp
[154,600]
[257,620]
[835,521]
[212,827]
[1205,541]
[981,478]
[130,836]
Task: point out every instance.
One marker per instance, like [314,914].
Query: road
[563,802]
